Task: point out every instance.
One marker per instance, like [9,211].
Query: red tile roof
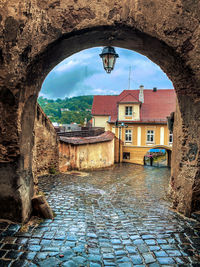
[156,107]
[105,137]
[104,105]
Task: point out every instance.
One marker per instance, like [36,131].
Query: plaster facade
[141,138]
[88,156]
[101,121]
[135,112]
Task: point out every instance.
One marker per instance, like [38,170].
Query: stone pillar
[16,141]
[185,174]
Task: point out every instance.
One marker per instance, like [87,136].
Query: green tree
[77,109]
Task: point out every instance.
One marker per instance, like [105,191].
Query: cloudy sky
[83,74]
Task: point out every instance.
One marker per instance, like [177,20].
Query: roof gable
[129,98]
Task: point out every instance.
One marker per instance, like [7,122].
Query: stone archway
[36,35]
[168,150]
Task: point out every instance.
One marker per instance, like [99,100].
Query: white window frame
[128,136]
[150,135]
[170,136]
[128,111]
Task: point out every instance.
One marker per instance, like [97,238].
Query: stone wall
[45,150]
[185,173]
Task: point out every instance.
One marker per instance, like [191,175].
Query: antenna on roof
[129,79]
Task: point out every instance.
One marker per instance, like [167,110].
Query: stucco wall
[134,116]
[67,156]
[101,121]
[143,134]
[137,153]
[45,151]
[89,156]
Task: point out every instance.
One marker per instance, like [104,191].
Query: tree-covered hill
[67,110]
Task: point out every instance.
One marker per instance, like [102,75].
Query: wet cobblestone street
[114,217]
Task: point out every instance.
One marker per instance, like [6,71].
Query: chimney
[141,94]
[155,89]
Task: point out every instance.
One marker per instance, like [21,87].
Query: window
[150,136]
[128,136]
[126,155]
[170,137]
[129,111]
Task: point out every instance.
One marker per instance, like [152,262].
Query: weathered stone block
[41,207]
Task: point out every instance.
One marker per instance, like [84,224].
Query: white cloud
[65,66]
[99,90]
[82,58]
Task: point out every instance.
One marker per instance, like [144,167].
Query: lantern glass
[108,62]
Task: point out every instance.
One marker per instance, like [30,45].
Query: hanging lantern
[108,56]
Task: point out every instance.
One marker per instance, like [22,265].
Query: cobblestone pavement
[114,217]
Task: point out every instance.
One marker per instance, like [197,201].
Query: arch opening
[118,36]
[63,69]
[37,67]
[158,157]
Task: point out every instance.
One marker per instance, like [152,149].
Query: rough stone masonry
[36,35]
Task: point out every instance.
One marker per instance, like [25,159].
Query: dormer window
[129,111]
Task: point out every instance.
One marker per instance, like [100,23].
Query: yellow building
[138,118]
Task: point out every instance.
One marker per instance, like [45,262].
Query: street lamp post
[119,143]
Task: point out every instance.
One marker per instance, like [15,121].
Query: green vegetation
[67,110]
